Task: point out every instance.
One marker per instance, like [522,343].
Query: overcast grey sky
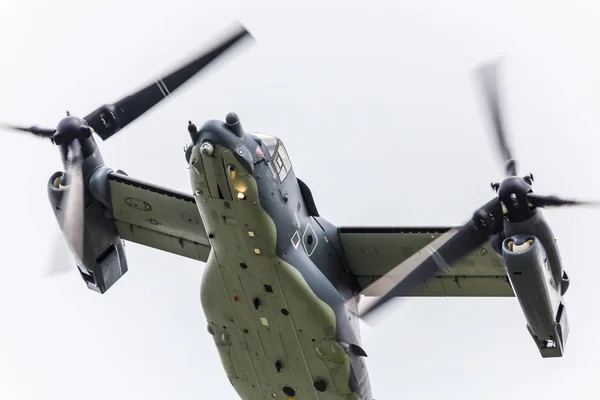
[376,104]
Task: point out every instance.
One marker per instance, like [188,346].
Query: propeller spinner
[72,134]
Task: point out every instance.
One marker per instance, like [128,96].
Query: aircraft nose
[215,137]
[230,129]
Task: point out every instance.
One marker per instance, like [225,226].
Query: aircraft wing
[373,251]
[158,217]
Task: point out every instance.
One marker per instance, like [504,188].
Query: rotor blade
[448,249]
[542,201]
[109,119]
[74,202]
[488,79]
[41,132]
[392,278]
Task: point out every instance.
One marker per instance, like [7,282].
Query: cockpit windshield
[279,155]
[269,141]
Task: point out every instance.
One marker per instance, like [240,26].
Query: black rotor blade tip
[110,118]
[41,132]
[555,201]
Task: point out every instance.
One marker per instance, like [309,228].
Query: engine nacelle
[104,260]
[538,294]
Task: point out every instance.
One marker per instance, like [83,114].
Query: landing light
[232,171]
[250,233]
[240,186]
[241,196]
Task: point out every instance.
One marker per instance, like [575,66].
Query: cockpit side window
[282,162]
[284,156]
[279,155]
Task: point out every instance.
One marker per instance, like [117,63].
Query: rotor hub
[513,192]
[69,129]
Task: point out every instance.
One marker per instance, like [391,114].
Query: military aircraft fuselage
[275,282]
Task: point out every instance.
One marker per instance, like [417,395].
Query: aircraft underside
[275,337]
[285,346]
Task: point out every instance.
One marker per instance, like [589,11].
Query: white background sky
[376,104]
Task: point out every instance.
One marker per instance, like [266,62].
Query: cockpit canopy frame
[279,156]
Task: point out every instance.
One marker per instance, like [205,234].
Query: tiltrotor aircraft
[281,285]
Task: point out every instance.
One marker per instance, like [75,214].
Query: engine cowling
[104,260]
[538,294]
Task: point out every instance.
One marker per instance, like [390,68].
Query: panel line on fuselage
[236,320]
[271,374]
[298,339]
